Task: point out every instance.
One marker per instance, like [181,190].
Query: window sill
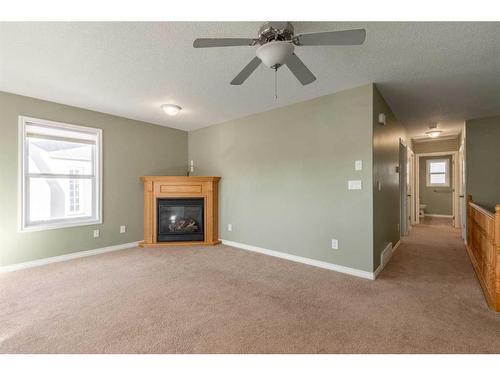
[59,225]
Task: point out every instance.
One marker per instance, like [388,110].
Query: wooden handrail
[483,247]
[482,210]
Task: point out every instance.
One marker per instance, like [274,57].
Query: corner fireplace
[180,219]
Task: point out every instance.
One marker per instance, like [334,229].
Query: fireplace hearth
[180,219]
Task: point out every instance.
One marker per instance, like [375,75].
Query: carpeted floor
[433,220]
[224,300]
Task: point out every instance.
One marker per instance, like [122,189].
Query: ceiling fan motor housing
[272,31]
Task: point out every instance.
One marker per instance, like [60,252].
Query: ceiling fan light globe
[274,54]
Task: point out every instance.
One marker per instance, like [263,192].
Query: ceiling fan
[277,43]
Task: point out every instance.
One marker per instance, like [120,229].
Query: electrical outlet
[96,233]
[335,244]
[123,228]
[230,227]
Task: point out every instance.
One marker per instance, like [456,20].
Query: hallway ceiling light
[434,133]
[171,109]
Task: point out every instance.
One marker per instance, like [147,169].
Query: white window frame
[446,172]
[23,162]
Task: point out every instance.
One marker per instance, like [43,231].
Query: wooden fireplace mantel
[181,187]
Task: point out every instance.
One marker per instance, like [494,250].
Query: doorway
[410,189]
[404,224]
[437,198]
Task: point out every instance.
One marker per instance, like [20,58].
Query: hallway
[433,267]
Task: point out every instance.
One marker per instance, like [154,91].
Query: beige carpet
[223,300]
[433,220]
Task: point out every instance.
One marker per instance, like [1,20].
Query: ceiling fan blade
[222,42]
[247,70]
[332,38]
[299,70]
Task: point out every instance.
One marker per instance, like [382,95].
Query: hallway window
[60,175]
[438,172]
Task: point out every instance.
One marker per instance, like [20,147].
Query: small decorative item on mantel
[190,168]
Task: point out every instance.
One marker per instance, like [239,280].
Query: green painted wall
[439,200]
[284,177]
[131,148]
[483,161]
[386,201]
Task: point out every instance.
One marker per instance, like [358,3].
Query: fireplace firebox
[180,219]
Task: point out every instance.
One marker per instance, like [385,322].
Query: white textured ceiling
[428,72]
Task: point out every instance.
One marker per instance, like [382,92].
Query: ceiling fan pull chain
[276,83]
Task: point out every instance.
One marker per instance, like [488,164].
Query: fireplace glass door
[180,219]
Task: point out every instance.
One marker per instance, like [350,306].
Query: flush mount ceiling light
[171,109]
[434,132]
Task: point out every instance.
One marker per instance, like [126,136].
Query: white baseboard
[385,256]
[436,215]
[62,258]
[299,259]
[396,246]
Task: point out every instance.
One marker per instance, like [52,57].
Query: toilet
[422,210]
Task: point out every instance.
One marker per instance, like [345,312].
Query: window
[60,167]
[438,172]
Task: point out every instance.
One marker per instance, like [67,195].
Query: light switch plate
[358,165]
[335,244]
[230,227]
[354,184]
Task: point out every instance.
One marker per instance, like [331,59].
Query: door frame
[462,209]
[403,189]
[411,191]
[455,181]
